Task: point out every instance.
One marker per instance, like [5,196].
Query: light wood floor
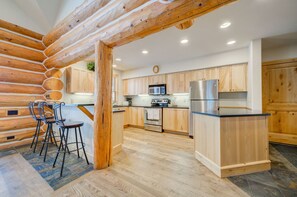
[151,164]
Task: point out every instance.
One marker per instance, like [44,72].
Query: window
[114,88]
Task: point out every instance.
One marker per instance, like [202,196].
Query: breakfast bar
[231,141]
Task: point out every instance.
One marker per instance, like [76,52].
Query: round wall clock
[156,69]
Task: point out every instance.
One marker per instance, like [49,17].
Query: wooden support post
[103,106]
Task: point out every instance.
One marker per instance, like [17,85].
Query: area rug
[73,167]
[281,180]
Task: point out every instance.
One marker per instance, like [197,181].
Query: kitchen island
[232,141]
[85,113]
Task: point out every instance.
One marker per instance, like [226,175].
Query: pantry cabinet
[135,86]
[175,119]
[156,79]
[79,80]
[175,83]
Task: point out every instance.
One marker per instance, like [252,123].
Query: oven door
[153,119]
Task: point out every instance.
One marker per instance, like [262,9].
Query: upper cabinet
[135,86]
[211,73]
[176,83]
[157,79]
[79,80]
[193,75]
[233,78]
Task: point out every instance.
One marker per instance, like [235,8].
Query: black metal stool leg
[61,173]
[38,132]
[53,136]
[83,147]
[33,141]
[62,141]
[60,146]
[47,142]
[44,141]
[76,142]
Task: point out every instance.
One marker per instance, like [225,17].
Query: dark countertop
[85,105]
[232,112]
[177,107]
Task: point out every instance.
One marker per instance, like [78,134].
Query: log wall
[23,78]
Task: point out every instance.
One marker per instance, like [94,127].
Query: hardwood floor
[151,164]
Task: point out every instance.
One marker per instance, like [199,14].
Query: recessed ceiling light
[184,41]
[225,25]
[231,42]
[145,52]
[118,59]
[114,66]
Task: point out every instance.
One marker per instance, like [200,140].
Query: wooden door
[225,79]
[194,75]
[239,78]
[175,119]
[175,83]
[157,79]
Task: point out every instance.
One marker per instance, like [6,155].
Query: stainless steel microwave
[157,89]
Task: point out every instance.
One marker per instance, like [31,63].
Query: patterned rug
[281,180]
[73,167]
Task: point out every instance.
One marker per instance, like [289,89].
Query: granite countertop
[232,112]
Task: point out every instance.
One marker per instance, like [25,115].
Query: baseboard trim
[283,138]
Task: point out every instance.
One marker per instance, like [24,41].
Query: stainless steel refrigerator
[204,96]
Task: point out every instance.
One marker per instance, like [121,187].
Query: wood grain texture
[156,79]
[55,73]
[20,30]
[18,135]
[20,64]
[18,76]
[176,120]
[21,52]
[185,25]
[53,84]
[136,116]
[24,111]
[17,123]
[22,89]
[17,39]
[176,83]
[79,80]
[193,75]
[76,17]
[16,100]
[86,112]
[103,106]
[139,23]
[53,95]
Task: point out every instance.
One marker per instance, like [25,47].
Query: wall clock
[156,69]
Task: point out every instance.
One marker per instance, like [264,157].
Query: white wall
[278,53]
[67,6]
[11,12]
[219,59]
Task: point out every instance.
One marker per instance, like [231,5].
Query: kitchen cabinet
[210,73]
[175,119]
[175,83]
[79,80]
[135,86]
[233,78]
[193,75]
[157,79]
[225,79]
[126,115]
[136,116]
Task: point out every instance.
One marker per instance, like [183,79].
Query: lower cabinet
[135,117]
[126,115]
[175,119]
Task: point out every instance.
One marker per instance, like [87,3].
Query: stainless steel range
[153,116]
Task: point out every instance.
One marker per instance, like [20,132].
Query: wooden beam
[17,76]
[103,106]
[141,22]
[53,95]
[102,17]
[21,64]
[21,40]
[56,73]
[17,123]
[20,30]
[20,89]
[24,111]
[75,18]
[22,52]
[16,100]
[185,25]
[53,84]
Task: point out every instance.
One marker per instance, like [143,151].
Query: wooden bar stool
[65,127]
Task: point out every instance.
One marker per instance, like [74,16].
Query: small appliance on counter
[129,100]
[157,89]
[204,96]
[153,116]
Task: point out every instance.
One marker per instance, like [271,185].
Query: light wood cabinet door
[141,85]
[225,79]
[175,83]
[136,116]
[79,81]
[175,119]
[239,77]
[157,79]
[126,115]
[211,73]
[140,116]
[194,75]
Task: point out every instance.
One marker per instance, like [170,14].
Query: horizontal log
[21,64]
[17,123]
[17,76]
[12,136]
[53,84]
[24,111]
[76,17]
[133,26]
[20,30]
[55,73]
[7,145]
[185,25]
[22,52]
[102,17]
[21,89]
[17,100]
[53,95]
[17,39]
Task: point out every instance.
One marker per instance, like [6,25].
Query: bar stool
[33,106]
[47,117]
[65,127]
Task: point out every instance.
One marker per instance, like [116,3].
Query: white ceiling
[251,19]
